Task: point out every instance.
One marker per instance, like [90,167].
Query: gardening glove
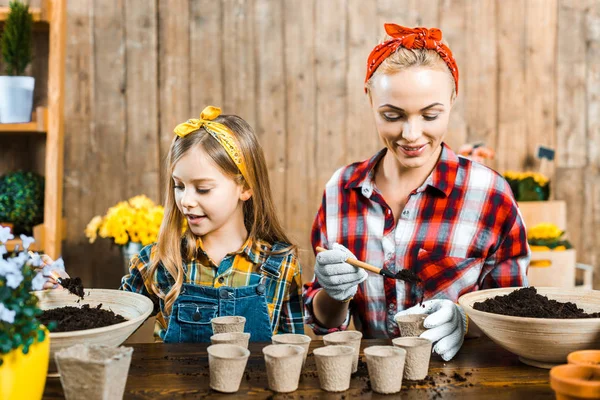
[339,279]
[446,325]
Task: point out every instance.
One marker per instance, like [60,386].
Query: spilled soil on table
[526,302]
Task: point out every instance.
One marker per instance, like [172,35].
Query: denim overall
[196,305]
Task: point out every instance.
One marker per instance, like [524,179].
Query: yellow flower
[91,230]
[544,231]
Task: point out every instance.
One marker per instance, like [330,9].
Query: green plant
[22,200]
[528,186]
[19,309]
[16,38]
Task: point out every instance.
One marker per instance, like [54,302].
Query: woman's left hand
[446,325]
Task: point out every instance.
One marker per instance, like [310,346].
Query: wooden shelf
[38,124]
[38,235]
[36,12]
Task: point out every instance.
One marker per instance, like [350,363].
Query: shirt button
[221,279]
[389,211]
[405,213]
[388,256]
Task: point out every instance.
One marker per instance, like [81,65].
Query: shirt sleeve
[291,316]
[507,266]
[135,282]
[319,238]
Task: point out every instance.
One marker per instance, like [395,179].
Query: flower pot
[7,225]
[16,99]
[228,324]
[418,353]
[293,338]
[411,325]
[23,376]
[237,338]
[584,357]
[334,367]
[574,382]
[385,365]
[284,364]
[346,338]
[226,363]
[128,251]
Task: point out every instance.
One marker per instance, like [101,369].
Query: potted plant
[130,224]
[24,343]
[21,201]
[16,91]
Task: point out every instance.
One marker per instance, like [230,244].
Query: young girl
[221,249]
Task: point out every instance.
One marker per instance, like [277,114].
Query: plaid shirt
[460,231]
[241,268]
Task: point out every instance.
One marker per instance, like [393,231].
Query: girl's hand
[51,270]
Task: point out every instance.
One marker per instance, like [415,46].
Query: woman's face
[412,109]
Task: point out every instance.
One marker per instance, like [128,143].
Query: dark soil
[526,302]
[73,285]
[70,319]
[407,276]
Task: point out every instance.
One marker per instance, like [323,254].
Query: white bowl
[541,342]
[135,308]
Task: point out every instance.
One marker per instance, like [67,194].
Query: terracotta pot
[237,338]
[584,357]
[574,382]
[7,225]
[226,363]
[334,367]
[284,364]
[418,353]
[385,365]
[228,324]
[293,338]
[346,338]
[94,371]
[411,325]
[23,376]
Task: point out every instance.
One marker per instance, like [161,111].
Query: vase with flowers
[24,343]
[130,224]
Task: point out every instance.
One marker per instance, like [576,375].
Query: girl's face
[210,200]
[411,110]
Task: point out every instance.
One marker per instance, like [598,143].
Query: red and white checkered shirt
[460,231]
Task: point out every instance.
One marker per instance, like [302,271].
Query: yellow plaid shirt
[241,268]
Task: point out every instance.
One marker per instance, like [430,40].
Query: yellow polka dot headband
[220,132]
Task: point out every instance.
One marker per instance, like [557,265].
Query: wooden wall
[294,69]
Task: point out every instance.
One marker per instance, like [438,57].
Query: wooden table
[178,370]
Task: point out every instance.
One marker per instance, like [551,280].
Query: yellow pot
[23,376]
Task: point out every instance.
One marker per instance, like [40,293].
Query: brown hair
[260,217]
[404,58]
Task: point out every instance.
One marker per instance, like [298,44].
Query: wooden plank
[176,370]
[36,13]
[109,129]
[592,86]
[512,107]
[38,124]
[174,73]
[39,68]
[299,52]
[481,72]
[363,32]
[206,21]
[454,30]
[571,98]
[142,147]
[271,94]
[81,152]
[570,186]
[540,82]
[239,59]
[53,202]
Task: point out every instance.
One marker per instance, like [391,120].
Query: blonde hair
[260,218]
[404,58]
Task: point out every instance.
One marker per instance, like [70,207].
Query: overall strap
[271,266]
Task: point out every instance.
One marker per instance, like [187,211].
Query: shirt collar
[254,250]
[441,178]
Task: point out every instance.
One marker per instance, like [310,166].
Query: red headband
[417,38]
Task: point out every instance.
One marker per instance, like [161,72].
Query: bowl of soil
[102,316]
[540,325]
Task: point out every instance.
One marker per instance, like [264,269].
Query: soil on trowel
[526,302]
[70,319]
[73,285]
[408,276]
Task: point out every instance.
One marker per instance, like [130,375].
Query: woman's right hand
[52,271]
[339,279]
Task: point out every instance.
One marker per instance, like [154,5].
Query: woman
[414,205]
